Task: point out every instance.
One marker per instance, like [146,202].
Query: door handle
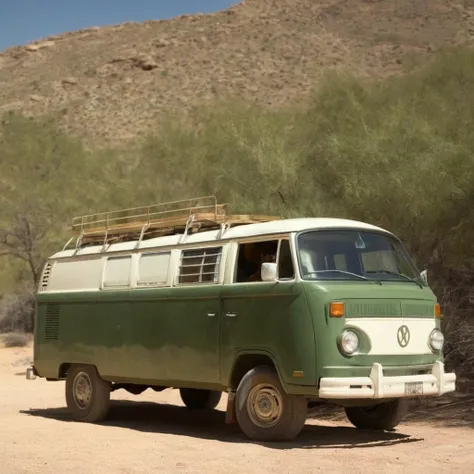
[211,315]
[231,315]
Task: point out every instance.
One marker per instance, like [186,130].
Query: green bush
[47,177]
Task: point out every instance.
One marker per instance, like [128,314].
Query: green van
[280,314]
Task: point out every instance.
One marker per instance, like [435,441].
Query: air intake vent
[51,328]
[45,277]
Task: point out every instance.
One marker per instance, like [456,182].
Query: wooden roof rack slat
[157,220]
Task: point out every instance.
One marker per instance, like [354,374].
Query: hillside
[112,84]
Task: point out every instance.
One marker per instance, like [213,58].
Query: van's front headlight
[349,342]
[436,340]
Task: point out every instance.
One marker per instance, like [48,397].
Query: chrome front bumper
[378,386]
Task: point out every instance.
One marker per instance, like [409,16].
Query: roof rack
[185,216]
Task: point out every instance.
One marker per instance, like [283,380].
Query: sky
[23,21]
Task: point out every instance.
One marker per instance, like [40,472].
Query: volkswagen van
[276,314]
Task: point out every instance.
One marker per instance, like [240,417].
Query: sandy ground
[154,432]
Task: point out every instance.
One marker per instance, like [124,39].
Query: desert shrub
[17,313]
[243,154]
[46,178]
[15,339]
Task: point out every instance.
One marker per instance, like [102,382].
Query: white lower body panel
[378,386]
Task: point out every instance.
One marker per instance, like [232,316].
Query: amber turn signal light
[336,310]
[437,311]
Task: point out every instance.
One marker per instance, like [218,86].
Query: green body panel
[178,336]
[181,328]
[272,319]
[82,327]
[193,336]
[148,334]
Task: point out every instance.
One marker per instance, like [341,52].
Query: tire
[288,411]
[384,416]
[195,399]
[87,394]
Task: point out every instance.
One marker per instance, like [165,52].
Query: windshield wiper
[389,272]
[346,273]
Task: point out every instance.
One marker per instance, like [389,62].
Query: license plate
[413,388]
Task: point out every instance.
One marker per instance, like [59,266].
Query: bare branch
[21,239]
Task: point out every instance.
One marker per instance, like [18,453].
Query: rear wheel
[196,399]
[264,411]
[87,394]
[383,416]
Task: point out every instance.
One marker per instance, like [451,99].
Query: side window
[117,271]
[250,259]
[285,263]
[200,265]
[153,269]
[252,255]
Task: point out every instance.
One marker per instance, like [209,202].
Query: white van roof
[283,226]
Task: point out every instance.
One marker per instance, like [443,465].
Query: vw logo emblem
[403,336]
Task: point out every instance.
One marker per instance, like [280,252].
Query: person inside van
[267,253]
[251,257]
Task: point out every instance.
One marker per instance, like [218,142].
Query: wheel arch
[66,366]
[63,369]
[246,361]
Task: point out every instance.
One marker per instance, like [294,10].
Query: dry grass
[112,84]
[15,339]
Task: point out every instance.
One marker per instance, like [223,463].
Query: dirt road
[154,432]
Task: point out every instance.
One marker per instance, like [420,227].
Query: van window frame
[128,285]
[148,253]
[356,229]
[220,266]
[260,239]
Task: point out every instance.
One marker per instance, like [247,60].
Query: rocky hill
[112,84]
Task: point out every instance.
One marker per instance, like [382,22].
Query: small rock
[37,46]
[70,80]
[161,43]
[443,402]
[147,64]
[36,98]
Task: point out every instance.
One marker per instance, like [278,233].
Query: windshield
[353,255]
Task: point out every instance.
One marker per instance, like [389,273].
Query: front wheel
[382,416]
[196,399]
[87,394]
[264,411]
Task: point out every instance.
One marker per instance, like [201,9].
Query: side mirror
[424,276]
[269,271]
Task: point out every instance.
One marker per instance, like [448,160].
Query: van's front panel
[385,316]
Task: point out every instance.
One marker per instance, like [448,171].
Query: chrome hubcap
[264,405]
[82,390]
